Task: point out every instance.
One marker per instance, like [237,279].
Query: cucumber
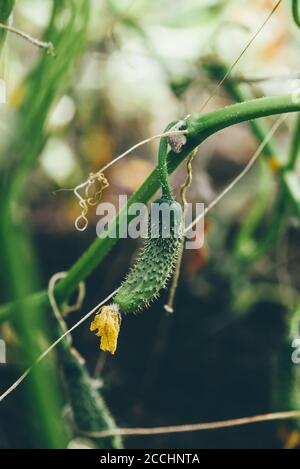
[155,263]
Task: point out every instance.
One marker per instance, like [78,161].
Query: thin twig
[35,42]
[169,307]
[247,168]
[121,156]
[195,427]
[81,223]
[66,308]
[141,143]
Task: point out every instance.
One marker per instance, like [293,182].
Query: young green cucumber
[155,263]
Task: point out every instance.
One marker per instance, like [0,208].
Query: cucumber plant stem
[163,166]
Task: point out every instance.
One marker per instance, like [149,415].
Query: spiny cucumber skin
[154,266]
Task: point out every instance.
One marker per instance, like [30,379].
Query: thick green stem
[199,127]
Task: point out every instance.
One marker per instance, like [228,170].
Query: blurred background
[123,70]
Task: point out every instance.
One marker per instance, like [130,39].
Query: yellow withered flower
[107,324]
